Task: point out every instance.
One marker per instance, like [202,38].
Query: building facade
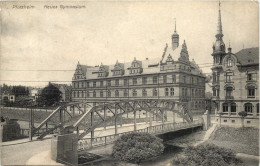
[235,82]
[65,91]
[173,76]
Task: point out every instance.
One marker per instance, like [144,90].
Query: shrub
[135,147]
[204,155]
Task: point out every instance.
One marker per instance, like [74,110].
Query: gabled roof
[248,56]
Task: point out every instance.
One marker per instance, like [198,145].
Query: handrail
[88,143]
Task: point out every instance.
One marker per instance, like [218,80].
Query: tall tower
[219,49]
[175,38]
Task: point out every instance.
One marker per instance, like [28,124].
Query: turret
[175,38]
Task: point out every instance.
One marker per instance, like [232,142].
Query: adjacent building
[65,91]
[235,82]
[173,76]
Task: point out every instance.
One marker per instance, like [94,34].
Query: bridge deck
[88,143]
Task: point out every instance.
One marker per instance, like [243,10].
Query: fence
[26,132]
[88,143]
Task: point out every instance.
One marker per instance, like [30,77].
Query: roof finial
[229,44]
[219,29]
[175,25]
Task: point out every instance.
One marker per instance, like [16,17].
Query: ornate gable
[136,67]
[79,73]
[118,69]
[169,64]
[103,71]
[184,55]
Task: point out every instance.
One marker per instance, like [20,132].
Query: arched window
[154,92]
[134,92]
[166,92]
[248,108]
[144,92]
[233,107]
[229,62]
[117,93]
[251,91]
[94,94]
[172,92]
[108,93]
[225,107]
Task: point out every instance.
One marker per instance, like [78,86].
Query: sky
[40,45]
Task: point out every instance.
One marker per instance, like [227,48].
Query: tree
[49,96]
[209,154]
[242,114]
[135,147]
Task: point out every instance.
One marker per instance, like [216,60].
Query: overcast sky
[56,39]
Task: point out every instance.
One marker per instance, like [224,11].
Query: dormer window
[136,67]
[118,69]
[103,71]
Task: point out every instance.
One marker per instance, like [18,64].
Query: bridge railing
[88,143]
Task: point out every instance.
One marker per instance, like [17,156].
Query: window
[165,79]
[109,83]
[225,107]
[166,92]
[94,94]
[229,77]
[196,92]
[108,93]
[87,84]
[184,79]
[196,105]
[101,83]
[117,93]
[77,94]
[154,79]
[229,91]
[233,121]
[172,92]
[101,94]
[134,92]
[144,80]
[155,92]
[94,84]
[192,81]
[125,82]
[192,92]
[125,93]
[134,81]
[229,62]
[248,108]
[82,94]
[144,92]
[74,94]
[250,77]
[174,78]
[251,91]
[117,82]
[87,93]
[233,107]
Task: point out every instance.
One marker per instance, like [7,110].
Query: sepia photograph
[129,83]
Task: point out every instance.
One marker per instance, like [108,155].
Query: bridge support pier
[105,116]
[64,147]
[115,120]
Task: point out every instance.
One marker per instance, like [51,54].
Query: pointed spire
[175,26]
[219,28]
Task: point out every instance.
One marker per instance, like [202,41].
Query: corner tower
[175,38]
[219,49]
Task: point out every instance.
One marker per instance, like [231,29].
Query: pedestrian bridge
[89,143]
[90,116]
